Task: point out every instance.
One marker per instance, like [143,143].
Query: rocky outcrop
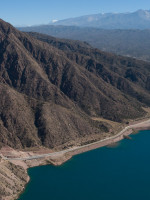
[13,180]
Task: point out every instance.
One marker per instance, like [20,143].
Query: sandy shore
[142,125]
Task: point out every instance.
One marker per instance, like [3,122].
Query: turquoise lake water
[120,173]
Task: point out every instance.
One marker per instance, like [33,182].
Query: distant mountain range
[135,20]
[126,34]
[132,43]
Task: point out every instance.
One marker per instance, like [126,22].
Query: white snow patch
[54,20]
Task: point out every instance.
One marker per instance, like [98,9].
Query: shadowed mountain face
[50,88]
[135,20]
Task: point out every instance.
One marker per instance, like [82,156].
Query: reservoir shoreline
[135,127]
[123,134]
[29,160]
[91,174]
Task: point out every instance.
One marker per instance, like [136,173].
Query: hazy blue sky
[29,12]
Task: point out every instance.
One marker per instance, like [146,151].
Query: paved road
[79,147]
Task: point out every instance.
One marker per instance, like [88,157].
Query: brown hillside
[50,89]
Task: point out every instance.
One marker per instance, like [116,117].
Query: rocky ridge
[51,89]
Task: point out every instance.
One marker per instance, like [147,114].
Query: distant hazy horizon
[27,13]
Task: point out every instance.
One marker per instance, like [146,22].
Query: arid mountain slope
[50,89]
[126,74]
